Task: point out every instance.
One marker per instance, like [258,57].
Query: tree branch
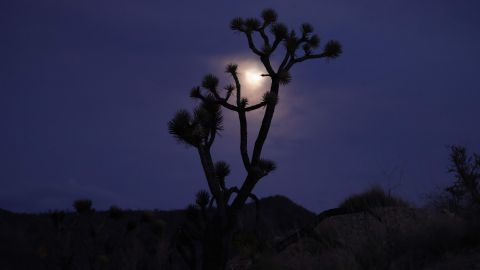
[213,185]
[243,124]
[265,38]
[251,45]
[224,102]
[256,106]
[303,58]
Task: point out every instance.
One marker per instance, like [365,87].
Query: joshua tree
[200,128]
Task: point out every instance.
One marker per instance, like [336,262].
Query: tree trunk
[216,246]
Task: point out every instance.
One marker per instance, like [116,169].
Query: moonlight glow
[253,77]
[253,83]
[250,71]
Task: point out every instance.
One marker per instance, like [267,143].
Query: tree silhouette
[467,173]
[198,129]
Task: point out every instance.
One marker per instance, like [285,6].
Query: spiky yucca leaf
[332,49]
[307,28]
[222,169]
[237,24]
[266,165]
[244,102]
[195,92]
[181,128]
[270,98]
[284,77]
[207,119]
[231,68]
[214,110]
[252,24]
[202,198]
[269,15]
[314,41]
[291,41]
[210,82]
[279,30]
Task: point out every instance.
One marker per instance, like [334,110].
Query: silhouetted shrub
[115,212]
[374,197]
[463,196]
[83,206]
[465,190]
[202,198]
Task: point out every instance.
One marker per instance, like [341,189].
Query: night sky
[87,89]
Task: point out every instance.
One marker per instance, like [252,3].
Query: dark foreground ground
[286,236]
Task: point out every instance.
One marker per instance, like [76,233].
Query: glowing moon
[253,77]
[253,82]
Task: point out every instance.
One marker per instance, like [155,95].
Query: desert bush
[463,196]
[83,206]
[428,241]
[374,197]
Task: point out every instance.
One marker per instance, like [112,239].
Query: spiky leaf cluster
[270,98]
[263,167]
[284,77]
[314,41]
[252,24]
[202,198]
[269,16]
[195,92]
[194,130]
[237,24]
[305,40]
[243,102]
[306,29]
[291,41]
[222,170]
[266,166]
[210,82]
[279,30]
[182,127]
[332,49]
[231,68]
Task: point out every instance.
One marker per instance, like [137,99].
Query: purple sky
[87,87]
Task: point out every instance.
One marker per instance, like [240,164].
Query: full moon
[253,77]
[253,82]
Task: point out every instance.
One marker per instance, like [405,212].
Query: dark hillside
[129,240]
